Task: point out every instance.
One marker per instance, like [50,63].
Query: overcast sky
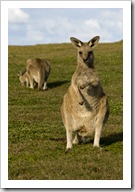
[32,26]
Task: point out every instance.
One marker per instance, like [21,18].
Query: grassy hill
[37,137]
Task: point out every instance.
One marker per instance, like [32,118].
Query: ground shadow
[113,138]
[58,139]
[108,140]
[56,84]
[104,141]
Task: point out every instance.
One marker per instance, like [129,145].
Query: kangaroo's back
[37,64]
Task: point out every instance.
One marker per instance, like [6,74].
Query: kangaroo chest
[89,87]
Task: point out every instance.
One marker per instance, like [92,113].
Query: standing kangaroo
[85,107]
[37,71]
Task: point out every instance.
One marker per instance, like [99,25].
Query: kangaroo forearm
[86,84]
[78,95]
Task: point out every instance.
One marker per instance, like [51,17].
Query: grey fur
[85,106]
[37,71]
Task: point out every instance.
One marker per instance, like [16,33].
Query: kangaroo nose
[85,59]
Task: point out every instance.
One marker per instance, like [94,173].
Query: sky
[30,26]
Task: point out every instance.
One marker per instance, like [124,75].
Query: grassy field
[36,134]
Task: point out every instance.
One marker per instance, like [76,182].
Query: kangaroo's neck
[84,66]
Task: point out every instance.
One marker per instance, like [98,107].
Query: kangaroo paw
[81,102]
[67,150]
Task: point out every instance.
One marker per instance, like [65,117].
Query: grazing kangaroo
[24,78]
[37,71]
[85,107]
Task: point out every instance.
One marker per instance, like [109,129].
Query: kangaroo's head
[85,50]
[22,77]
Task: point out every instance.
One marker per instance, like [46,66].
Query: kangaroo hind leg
[69,140]
[41,80]
[45,86]
[101,118]
[31,81]
[97,136]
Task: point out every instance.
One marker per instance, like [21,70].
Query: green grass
[36,134]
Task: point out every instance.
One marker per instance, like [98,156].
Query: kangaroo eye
[80,52]
[90,52]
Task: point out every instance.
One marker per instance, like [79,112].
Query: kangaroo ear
[76,42]
[94,41]
[19,73]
